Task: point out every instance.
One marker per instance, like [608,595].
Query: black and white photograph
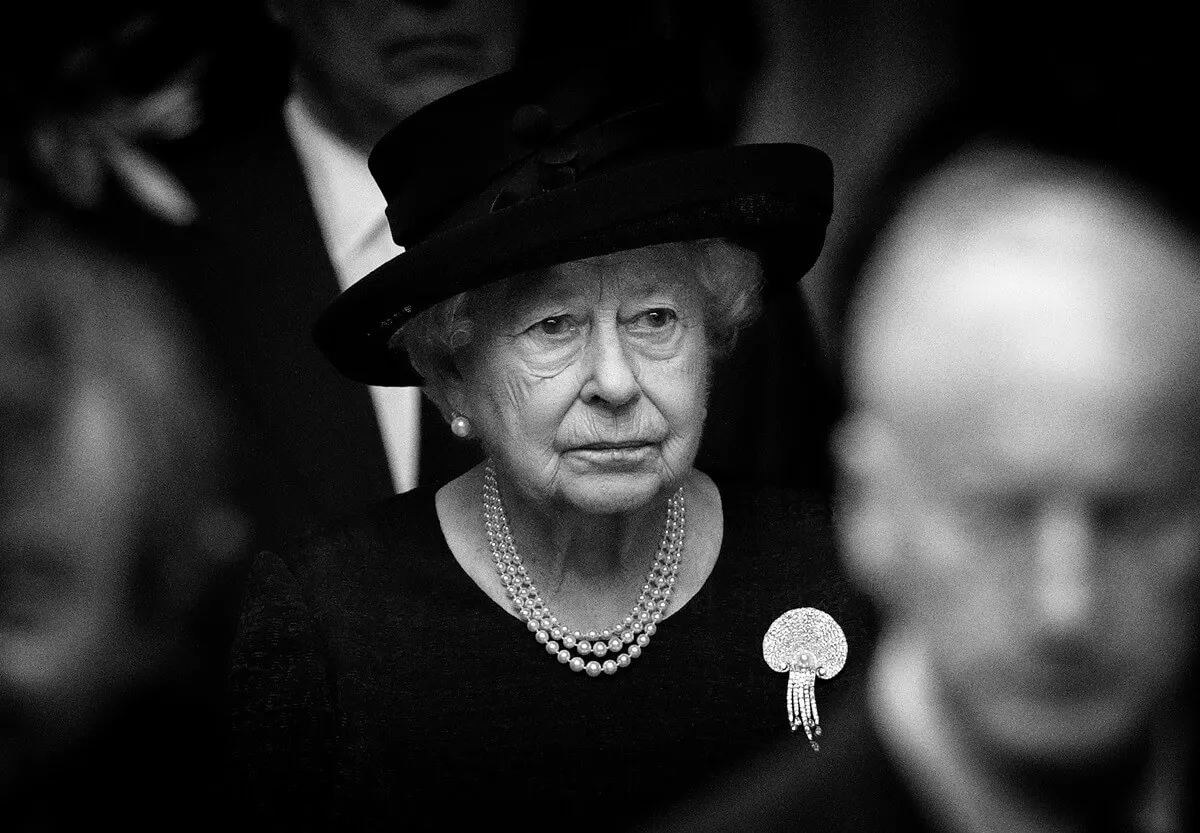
[650,416]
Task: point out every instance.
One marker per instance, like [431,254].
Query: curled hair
[727,276]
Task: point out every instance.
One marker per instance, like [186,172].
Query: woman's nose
[1064,578]
[612,380]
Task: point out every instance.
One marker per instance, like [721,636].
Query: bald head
[1009,276]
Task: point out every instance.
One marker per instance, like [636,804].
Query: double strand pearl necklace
[627,638]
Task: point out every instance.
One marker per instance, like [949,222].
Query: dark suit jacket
[257,277]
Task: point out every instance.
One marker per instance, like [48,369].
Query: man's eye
[1134,514]
[997,512]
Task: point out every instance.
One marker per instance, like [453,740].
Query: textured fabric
[375,686]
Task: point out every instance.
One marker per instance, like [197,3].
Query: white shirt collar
[348,203]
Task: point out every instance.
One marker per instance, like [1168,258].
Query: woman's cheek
[525,403]
[548,363]
[689,382]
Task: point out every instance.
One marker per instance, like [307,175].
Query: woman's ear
[451,394]
[866,516]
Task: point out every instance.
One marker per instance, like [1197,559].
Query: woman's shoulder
[383,541]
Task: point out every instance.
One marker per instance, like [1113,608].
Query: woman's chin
[612,493]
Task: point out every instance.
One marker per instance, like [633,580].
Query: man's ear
[866,506]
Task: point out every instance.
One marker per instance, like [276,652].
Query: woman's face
[589,387]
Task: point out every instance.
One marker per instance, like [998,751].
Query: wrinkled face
[589,388]
[1036,459]
[375,62]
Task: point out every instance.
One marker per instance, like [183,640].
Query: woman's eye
[656,319]
[557,325]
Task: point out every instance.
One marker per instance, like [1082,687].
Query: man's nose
[1064,575]
[612,379]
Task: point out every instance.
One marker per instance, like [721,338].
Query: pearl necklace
[627,638]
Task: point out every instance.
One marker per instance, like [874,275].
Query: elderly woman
[576,624]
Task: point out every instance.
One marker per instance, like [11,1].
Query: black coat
[375,686]
[851,784]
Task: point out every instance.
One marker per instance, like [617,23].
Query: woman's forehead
[626,275]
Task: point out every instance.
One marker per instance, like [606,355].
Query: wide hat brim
[759,196]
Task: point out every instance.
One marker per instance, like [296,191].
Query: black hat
[533,168]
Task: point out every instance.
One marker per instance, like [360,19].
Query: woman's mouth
[628,453]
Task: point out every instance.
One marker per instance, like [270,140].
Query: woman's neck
[588,568]
[559,543]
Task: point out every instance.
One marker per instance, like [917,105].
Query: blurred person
[581,255]
[1023,494]
[115,531]
[93,104]
[1019,491]
[361,67]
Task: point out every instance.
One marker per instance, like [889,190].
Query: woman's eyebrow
[531,302]
[672,290]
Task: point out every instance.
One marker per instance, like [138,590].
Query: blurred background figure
[1019,476]
[115,531]
[118,533]
[1022,495]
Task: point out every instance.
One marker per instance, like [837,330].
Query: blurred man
[362,67]
[1022,472]
[292,217]
[1019,479]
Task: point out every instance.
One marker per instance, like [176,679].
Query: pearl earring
[460,426]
